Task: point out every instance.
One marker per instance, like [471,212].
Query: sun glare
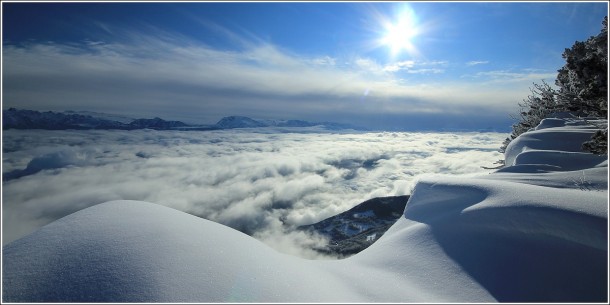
[398,35]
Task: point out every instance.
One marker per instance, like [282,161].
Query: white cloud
[509,76]
[181,78]
[324,61]
[368,65]
[402,65]
[477,62]
[435,63]
[259,181]
[413,67]
[426,71]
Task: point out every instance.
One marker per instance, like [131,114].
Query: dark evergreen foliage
[583,80]
[582,91]
[532,110]
[598,143]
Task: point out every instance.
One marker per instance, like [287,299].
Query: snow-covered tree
[582,91]
[583,81]
[598,143]
[537,106]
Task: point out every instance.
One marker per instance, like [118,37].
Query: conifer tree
[582,91]
[583,80]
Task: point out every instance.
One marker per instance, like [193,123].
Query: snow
[535,231]
[366,214]
[105,116]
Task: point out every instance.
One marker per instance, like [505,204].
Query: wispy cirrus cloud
[186,79]
[402,65]
[477,62]
[512,76]
[425,71]
[416,67]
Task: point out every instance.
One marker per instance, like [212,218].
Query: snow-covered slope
[246,122]
[238,122]
[105,116]
[532,232]
[555,142]
[29,119]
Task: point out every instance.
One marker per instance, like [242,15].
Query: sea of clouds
[263,182]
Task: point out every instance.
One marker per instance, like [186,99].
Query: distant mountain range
[30,119]
[359,227]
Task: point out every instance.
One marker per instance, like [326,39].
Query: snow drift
[535,231]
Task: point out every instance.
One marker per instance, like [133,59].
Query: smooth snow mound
[132,251]
[554,134]
[533,232]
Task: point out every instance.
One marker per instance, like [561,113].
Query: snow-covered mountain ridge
[30,119]
[535,231]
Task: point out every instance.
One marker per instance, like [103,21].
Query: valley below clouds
[264,182]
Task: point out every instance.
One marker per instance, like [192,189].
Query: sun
[398,35]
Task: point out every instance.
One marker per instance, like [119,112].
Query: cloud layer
[180,78]
[263,182]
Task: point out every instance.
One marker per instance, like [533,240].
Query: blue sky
[391,65]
